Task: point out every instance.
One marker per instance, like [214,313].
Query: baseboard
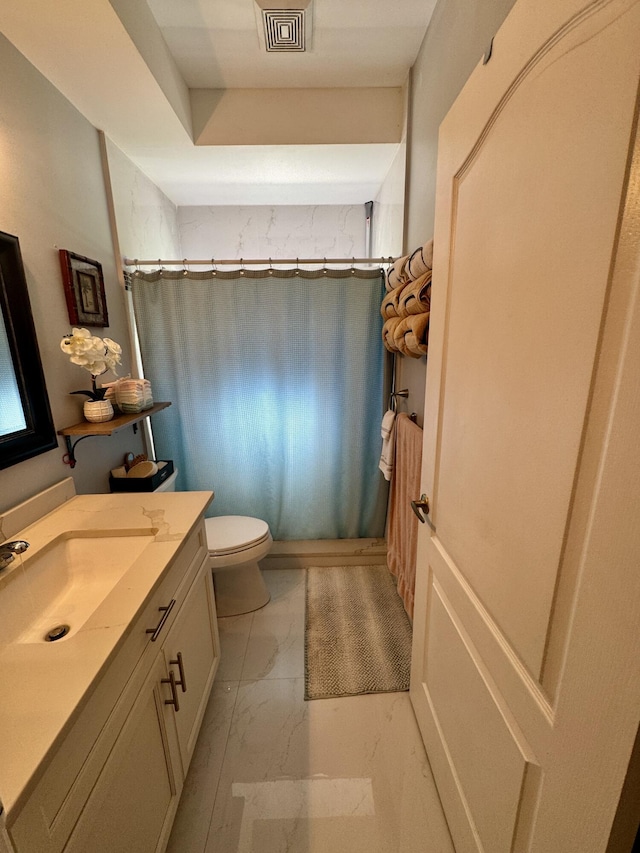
[302,553]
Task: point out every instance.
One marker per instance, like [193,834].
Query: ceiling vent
[284,29]
[286,25]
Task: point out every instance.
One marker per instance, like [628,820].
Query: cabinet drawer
[48,816]
[173,588]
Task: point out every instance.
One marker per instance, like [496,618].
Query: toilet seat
[232,534]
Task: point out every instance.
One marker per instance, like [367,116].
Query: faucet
[9,550]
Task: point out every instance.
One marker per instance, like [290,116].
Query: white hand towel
[387,423]
[388,432]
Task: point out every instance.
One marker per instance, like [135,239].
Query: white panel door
[526,642]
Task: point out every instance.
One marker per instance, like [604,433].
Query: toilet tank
[168,485]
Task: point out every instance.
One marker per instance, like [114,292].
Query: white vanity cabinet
[113,785]
[132,805]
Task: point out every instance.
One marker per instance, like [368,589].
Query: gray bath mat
[357,634]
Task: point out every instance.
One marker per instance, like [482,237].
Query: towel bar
[392,397]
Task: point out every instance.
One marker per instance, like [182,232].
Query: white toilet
[236,544]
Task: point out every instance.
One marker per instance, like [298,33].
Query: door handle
[422,504]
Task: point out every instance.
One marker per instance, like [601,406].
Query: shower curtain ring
[324,266]
[161,267]
[214,268]
[185,271]
[137,266]
[241,266]
[297,269]
[353,265]
[270,267]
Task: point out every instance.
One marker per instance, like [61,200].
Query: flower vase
[98,411]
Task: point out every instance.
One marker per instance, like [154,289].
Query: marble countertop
[46,684]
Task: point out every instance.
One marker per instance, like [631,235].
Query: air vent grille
[284,29]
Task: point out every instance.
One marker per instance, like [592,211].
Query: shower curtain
[276,384]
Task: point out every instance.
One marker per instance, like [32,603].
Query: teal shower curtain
[276,384]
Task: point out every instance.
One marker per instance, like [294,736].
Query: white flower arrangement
[97,355]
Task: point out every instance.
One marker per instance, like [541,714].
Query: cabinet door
[192,653]
[132,805]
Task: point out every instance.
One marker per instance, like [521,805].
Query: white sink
[64,582]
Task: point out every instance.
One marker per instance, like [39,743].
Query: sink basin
[65,582]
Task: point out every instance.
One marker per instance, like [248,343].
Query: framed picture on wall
[84,290]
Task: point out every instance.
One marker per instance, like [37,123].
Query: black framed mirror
[26,425]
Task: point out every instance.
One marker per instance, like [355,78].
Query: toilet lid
[229,533]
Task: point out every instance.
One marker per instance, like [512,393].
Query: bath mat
[357,634]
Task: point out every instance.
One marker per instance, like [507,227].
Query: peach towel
[388,333]
[390,303]
[406,305]
[402,527]
[411,335]
[420,261]
[396,275]
[415,297]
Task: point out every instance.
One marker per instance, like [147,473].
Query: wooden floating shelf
[115,424]
[85,429]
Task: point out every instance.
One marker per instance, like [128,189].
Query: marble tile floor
[272,773]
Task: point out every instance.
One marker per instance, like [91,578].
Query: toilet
[236,544]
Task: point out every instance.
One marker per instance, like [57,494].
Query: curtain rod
[129,262]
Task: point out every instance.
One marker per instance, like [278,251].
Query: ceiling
[216,43]
[135,69]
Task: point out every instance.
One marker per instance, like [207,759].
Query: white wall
[53,197]
[294,231]
[458,35]
[388,209]
[146,225]
[147,221]
[389,203]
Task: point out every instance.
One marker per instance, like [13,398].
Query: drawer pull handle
[174,693]
[182,682]
[155,632]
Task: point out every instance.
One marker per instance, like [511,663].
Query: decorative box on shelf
[142,484]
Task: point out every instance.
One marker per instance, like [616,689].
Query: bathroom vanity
[98,727]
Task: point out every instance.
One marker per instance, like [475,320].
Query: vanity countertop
[45,685]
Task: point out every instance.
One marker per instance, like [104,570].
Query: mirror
[26,425]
